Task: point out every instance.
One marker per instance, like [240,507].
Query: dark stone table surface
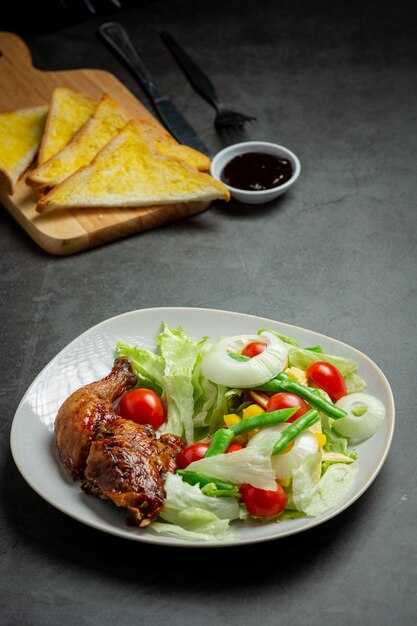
[336,82]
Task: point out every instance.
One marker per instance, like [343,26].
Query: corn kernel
[298,375]
[231,419]
[321,439]
[252,410]
[284,482]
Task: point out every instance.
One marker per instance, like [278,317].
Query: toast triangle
[129,173]
[20,137]
[108,118]
[68,112]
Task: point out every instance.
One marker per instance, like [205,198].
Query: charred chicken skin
[127,464]
[117,459]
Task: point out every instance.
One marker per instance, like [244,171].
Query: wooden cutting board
[66,232]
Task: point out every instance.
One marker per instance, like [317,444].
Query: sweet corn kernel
[297,375]
[284,482]
[252,410]
[230,419]
[321,439]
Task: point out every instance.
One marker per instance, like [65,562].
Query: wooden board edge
[150,219]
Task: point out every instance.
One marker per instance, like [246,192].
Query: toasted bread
[166,144]
[130,173]
[20,137]
[68,111]
[108,118]
[106,121]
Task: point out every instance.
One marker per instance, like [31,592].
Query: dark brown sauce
[256,171]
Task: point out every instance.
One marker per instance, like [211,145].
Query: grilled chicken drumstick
[119,460]
[85,411]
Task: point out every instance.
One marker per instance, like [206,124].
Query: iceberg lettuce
[316,497]
[193,515]
[249,465]
[181,533]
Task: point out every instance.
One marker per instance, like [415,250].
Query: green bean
[273,385]
[313,398]
[192,478]
[221,440]
[261,420]
[294,429]
[282,382]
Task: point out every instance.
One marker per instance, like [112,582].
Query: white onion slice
[365,414]
[219,367]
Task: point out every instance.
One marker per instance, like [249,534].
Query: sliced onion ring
[220,368]
[365,414]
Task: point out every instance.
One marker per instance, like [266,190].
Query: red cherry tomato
[254,348]
[284,400]
[263,503]
[143,406]
[193,452]
[327,377]
[234,447]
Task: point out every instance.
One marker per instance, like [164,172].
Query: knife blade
[117,38]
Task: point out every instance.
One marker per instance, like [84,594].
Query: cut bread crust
[128,172]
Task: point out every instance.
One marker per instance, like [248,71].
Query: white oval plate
[90,357]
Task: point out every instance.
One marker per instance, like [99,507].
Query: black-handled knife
[117,38]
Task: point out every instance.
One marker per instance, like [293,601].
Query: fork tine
[203,85]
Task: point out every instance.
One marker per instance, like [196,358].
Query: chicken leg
[86,411]
[118,459]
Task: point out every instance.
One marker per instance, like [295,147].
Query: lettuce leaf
[315,498]
[285,338]
[354,383]
[249,465]
[192,514]
[173,530]
[149,367]
[302,358]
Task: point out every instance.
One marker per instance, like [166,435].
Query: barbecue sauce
[256,171]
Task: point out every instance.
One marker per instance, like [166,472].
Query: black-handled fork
[203,85]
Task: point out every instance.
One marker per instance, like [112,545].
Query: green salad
[268,426]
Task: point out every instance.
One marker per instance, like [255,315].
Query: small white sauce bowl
[223,157]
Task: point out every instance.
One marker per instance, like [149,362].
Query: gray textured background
[336,83]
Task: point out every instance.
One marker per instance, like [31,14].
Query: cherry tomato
[143,406]
[327,377]
[263,503]
[254,348]
[284,400]
[234,447]
[193,452]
